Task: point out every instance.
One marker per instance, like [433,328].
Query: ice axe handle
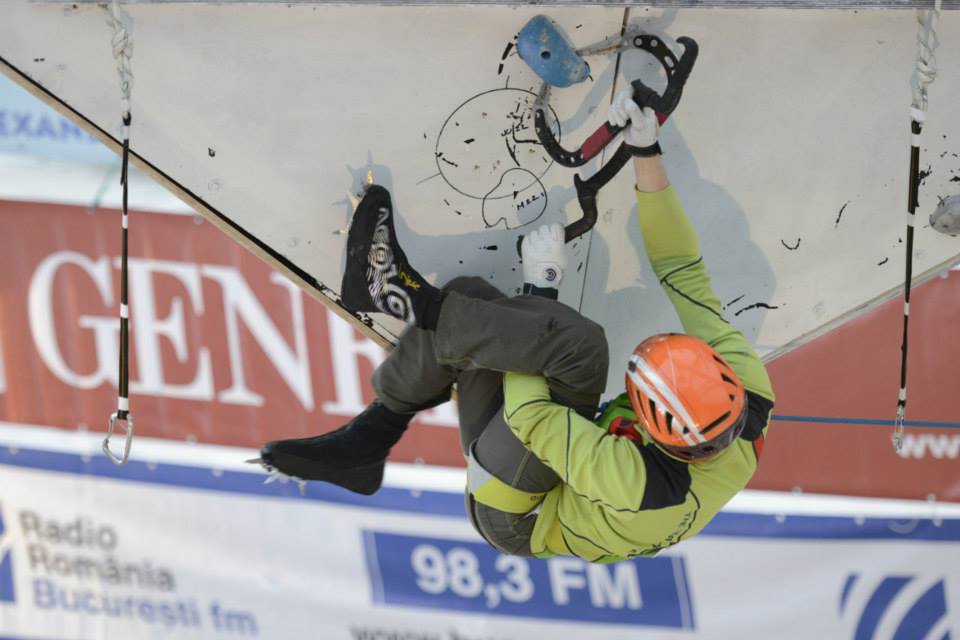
[644,96]
[587,191]
[573,230]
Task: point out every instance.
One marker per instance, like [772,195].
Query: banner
[837,399]
[223,350]
[29,127]
[166,549]
[226,351]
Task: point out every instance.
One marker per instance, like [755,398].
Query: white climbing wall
[789,149]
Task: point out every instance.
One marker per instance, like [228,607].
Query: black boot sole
[364,479]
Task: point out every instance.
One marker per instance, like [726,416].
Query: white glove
[544,256]
[644,127]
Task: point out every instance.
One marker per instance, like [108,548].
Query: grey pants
[480,334]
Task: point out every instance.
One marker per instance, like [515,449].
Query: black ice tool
[550,54]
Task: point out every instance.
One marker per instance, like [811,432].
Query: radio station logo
[914,606]
[78,566]
[6,566]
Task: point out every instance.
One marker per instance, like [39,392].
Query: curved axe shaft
[677,70]
[587,191]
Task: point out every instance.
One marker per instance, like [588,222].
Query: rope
[122,52]
[122,47]
[924,75]
[927,43]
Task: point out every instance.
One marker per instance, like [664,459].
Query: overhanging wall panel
[789,149]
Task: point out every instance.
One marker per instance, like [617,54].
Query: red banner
[226,351]
[850,377]
[223,349]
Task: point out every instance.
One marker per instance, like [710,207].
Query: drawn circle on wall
[511,205]
[488,135]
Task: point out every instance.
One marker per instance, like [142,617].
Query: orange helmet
[688,399]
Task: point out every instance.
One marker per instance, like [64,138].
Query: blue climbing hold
[550,54]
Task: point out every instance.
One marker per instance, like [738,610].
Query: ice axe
[551,55]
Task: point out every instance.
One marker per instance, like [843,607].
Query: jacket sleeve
[590,461]
[674,252]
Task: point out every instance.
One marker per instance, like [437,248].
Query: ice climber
[546,474]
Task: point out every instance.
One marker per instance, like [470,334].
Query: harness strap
[489,490]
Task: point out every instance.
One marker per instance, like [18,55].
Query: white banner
[176,550]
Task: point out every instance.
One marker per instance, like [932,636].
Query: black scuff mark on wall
[840,214]
[491,247]
[39,59]
[924,174]
[469,140]
[794,247]
[211,152]
[579,267]
[883,262]
[735,300]
[458,212]
[506,52]
[955,179]
[756,305]
[513,156]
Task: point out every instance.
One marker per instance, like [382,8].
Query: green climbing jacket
[618,498]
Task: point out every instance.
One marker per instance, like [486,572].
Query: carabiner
[127,423]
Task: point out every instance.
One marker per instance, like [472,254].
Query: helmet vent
[669,422]
[715,423]
[686,430]
[653,413]
[631,366]
[728,379]
[720,362]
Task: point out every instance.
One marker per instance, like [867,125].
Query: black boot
[352,457]
[378,276]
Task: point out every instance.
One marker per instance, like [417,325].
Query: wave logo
[6,568]
[896,607]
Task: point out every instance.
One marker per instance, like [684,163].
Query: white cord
[925,74]
[927,42]
[122,46]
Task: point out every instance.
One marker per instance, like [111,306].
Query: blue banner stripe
[867,421]
[252,483]
[440,503]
